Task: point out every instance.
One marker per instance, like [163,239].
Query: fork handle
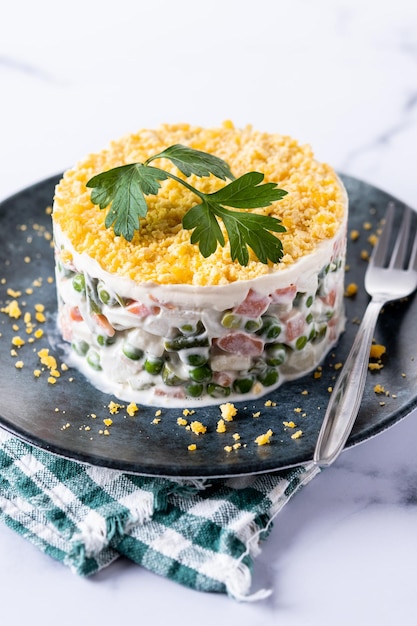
[346,397]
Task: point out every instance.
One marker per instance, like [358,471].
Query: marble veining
[24,67]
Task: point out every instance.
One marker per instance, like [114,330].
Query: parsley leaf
[190,161]
[207,233]
[243,229]
[246,192]
[124,189]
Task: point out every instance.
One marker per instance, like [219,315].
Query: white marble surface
[341,75]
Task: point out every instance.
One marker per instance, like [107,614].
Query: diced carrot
[104,323]
[142,310]
[74,314]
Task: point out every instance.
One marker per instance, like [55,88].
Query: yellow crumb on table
[297,434]
[290,424]
[192,447]
[19,365]
[181,421]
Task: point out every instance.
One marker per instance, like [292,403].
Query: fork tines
[404,252]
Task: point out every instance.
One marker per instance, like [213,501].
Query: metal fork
[383,283]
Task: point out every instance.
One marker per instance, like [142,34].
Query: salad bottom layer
[159,352]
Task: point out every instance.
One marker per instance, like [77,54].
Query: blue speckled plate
[58,417]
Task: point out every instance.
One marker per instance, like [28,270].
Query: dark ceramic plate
[58,417]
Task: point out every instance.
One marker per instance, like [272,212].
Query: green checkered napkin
[201,534]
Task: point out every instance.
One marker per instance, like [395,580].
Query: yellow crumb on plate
[228,411]
[351,290]
[131,409]
[379,389]
[377,350]
[264,439]
[198,428]
[221,426]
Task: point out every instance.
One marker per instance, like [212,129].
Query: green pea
[170,377]
[243,385]
[276,354]
[93,359]
[104,295]
[66,273]
[80,347]
[78,282]
[230,320]
[183,341]
[104,340]
[218,391]
[153,365]
[269,377]
[194,389]
[131,351]
[201,374]
[301,342]
[253,325]
[197,359]
[192,328]
[258,366]
[298,298]
[270,328]
[319,334]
